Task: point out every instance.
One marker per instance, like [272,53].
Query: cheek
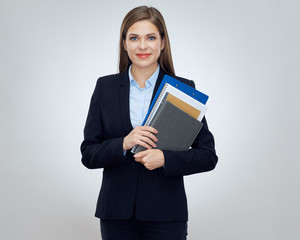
[156,47]
[130,48]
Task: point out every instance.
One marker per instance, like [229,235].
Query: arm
[96,151]
[99,149]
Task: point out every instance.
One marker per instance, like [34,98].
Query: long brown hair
[154,16]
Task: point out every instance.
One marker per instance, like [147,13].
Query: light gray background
[243,54]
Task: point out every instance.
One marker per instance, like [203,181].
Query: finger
[148,141]
[145,128]
[149,135]
[140,134]
[143,144]
[145,134]
[138,139]
[139,160]
[144,141]
[149,129]
[142,154]
[139,155]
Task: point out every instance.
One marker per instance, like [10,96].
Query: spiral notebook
[176,129]
[180,90]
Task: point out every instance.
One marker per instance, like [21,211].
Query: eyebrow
[134,34]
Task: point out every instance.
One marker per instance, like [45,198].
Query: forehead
[143,27]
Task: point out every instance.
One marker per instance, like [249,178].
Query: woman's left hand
[151,158]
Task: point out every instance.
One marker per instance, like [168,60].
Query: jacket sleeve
[201,157]
[98,152]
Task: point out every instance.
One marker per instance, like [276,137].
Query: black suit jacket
[127,186]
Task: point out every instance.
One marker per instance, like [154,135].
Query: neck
[141,75]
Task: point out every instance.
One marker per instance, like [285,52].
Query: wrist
[124,145]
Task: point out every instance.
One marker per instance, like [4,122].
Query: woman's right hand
[140,135]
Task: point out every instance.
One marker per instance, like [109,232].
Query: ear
[124,44]
[162,44]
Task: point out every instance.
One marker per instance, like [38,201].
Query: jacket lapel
[158,82]
[124,102]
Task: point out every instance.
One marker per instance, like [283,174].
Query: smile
[143,55]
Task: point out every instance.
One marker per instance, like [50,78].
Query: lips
[143,55]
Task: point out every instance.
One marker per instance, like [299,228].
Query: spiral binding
[156,105]
[154,109]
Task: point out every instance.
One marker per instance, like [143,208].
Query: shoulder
[112,81]
[109,79]
[185,80]
[109,86]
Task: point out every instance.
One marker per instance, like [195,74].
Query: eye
[152,38]
[133,38]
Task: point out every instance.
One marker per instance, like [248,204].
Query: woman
[142,196]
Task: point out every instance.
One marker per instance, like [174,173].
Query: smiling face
[143,44]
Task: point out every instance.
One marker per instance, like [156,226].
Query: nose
[142,44]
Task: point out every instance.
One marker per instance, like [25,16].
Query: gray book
[176,129]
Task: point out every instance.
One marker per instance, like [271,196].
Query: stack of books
[176,113]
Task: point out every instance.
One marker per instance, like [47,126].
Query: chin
[144,64]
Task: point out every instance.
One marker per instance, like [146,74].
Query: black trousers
[139,230]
